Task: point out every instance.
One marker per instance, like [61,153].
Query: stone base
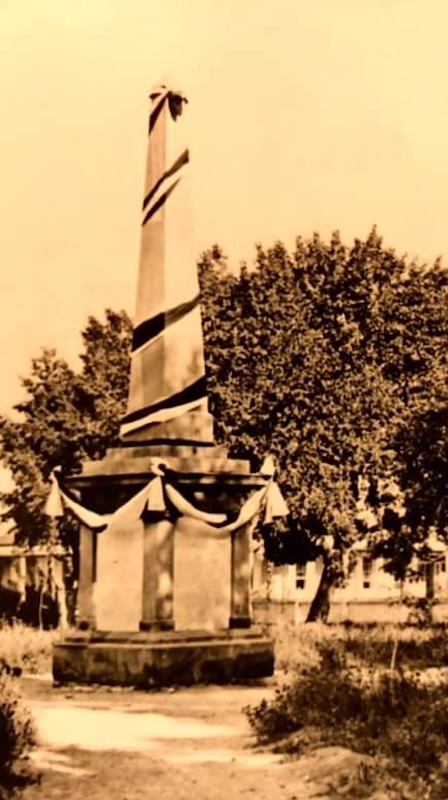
[152,660]
[193,428]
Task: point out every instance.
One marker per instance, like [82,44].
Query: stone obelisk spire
[167,396]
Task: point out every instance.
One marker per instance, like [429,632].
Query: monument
[166,519]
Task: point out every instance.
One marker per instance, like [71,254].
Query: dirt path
[184,745]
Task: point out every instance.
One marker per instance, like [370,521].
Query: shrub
[399,718]
[17,732]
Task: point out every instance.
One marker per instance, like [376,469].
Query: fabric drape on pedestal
[160,497]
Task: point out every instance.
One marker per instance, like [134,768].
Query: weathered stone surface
[167,378]
[153,660]
[202,561]
[158,576]
[128,577]
[118,592]
[140,460]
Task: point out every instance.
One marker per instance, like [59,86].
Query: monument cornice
[193,479]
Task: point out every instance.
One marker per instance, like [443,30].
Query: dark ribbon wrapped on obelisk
[167,394]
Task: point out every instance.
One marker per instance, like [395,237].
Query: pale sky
[305,115]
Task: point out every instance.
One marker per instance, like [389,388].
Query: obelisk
[167,395]
[164,595]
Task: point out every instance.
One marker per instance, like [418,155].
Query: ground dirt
[188,744]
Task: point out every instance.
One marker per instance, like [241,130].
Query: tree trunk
[429,580]
[430,591]
[320,607]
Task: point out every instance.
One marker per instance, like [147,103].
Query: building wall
[22,571]
[369,594]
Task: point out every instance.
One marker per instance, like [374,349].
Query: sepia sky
[305,115]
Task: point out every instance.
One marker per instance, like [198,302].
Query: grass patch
[28,649]
[418,648]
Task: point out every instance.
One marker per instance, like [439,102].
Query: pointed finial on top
[175,97]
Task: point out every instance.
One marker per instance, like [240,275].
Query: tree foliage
[66,416]
[332,358]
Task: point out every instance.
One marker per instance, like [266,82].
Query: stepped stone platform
[174,658]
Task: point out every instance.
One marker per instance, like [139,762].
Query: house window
[300,576]
[440,567]
[367,566]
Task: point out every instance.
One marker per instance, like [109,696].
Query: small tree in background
[66,417]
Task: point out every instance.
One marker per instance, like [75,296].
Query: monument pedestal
[164,598]
[151,660]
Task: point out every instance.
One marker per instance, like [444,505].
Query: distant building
[369,595]
[31,582]
[31,578]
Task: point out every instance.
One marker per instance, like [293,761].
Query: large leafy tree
[421,442]
[66,416]
[413,504]
[325,357]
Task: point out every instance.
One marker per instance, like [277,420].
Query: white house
[369,594]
